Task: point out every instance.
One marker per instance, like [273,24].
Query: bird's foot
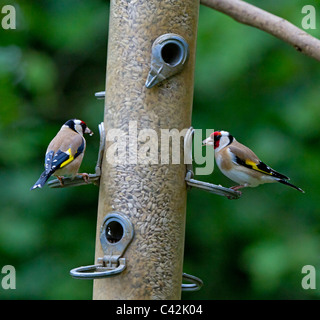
[60,178]
[85,177]
[232,197]
[236,188]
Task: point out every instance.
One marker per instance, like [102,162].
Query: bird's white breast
[238,173]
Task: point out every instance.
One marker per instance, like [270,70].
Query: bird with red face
[240,164]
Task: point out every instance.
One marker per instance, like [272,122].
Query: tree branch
[248,14]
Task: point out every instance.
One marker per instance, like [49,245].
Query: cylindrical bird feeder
[149,90]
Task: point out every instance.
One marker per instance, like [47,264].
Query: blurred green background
[246,82]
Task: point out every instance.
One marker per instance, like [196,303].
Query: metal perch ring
[97,271]
[195,285]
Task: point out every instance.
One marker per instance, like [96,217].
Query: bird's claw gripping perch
[61,181]
[84,176]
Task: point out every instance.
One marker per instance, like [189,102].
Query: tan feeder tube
[152,196]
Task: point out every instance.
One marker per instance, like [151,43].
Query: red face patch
[217,137]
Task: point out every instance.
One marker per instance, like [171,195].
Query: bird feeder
[152,196]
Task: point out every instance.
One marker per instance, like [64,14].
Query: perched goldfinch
[240,164]
[65,153]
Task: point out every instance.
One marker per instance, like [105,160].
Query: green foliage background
[246,82]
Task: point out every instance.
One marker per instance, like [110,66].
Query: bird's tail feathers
[289,184]
[42,180]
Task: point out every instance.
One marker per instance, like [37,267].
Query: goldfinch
[65,153]
[240,164]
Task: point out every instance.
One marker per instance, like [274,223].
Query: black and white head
[78,126]
[219,140]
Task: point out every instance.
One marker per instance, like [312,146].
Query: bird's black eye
[84,126]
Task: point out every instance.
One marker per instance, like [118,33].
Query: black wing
[261,167]
[55,161]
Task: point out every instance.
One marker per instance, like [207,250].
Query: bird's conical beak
[88,131]
[208,142]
